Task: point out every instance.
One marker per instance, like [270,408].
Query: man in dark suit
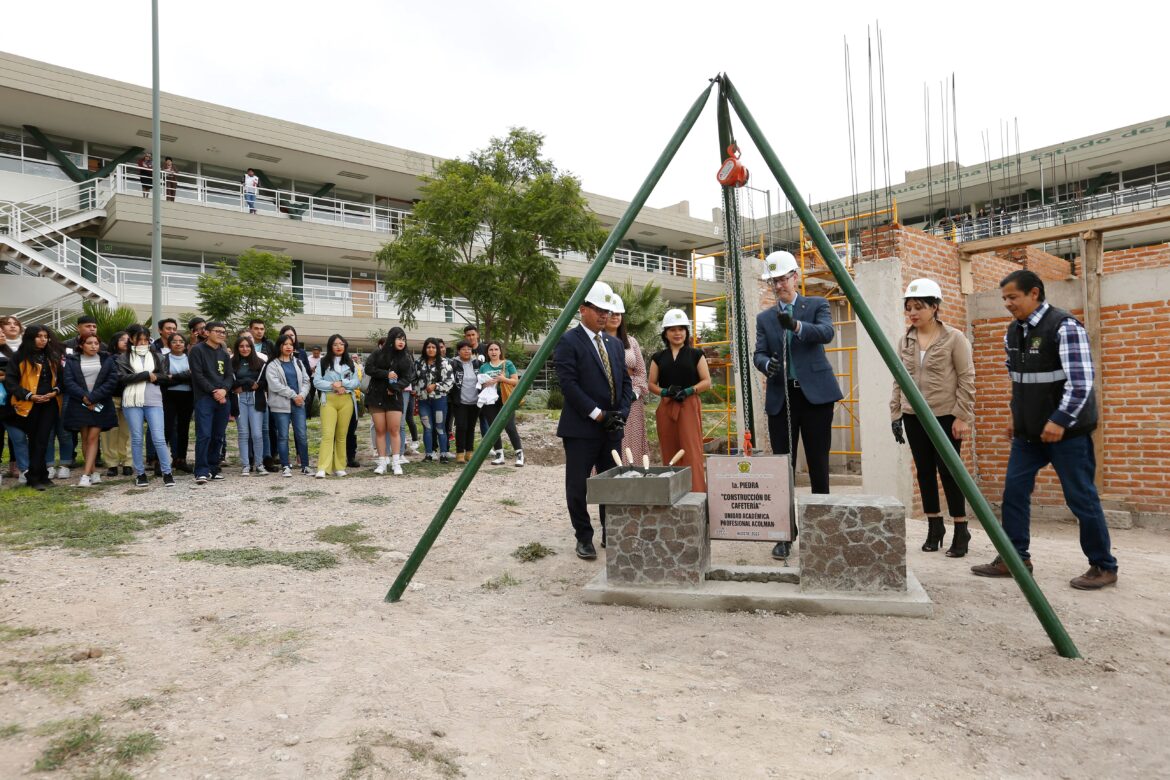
[591,370]
[801,387]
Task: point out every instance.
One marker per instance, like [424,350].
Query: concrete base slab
[727,596]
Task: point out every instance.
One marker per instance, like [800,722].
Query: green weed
[12,633]
[370,500]
[80,739]
[59,518]
[505,580]
[310,493]
[509,502]
[134,746]
[533,551]
[279,500]
[10,730]
[307,560]
[352,537]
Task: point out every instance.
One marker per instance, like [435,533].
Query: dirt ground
[273,672]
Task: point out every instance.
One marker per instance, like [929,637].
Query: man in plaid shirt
[1054,411]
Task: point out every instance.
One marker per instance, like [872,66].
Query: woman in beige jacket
[938,358]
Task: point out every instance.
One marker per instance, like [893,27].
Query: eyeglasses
[218,331]
[600,311]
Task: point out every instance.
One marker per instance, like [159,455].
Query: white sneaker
[52,472]
[320,475]
[84,481]
[286,472]
[499,459]
[447,457]
[261,471]
[339,473]
[413,447]
[397,469]
[23,478]
[95,478]
[519,458]
[380,468]
[62,472]
[246,472]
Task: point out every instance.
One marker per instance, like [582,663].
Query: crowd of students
[130,401]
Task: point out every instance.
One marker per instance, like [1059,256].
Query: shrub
[556,399]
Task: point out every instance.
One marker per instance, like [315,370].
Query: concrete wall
[886,466]
[24,186]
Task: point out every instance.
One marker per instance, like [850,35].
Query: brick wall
[1156,256]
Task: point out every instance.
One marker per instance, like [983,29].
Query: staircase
[37,235]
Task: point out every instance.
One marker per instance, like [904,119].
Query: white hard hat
[602,296]
[674,318]
[619,306]
[779,263]
[923,288]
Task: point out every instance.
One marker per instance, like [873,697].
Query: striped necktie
[605,362]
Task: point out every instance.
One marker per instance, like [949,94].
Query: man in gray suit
[801,387]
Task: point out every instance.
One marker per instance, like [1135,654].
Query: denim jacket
[324,376]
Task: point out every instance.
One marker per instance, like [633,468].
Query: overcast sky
[608,82]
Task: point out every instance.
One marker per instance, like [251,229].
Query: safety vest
[1038,378]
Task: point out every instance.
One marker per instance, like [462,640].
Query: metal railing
[966,227]
[52,314]
[226,194]
[44,237]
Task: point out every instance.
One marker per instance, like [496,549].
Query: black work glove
[896,427]
[683,393]
[668,392]
[772,368]
[612,421]
[786,320]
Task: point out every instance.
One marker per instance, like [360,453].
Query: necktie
[605,362]
[788,343]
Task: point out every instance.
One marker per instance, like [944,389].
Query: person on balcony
[170,178]
[251,187]
[146,174]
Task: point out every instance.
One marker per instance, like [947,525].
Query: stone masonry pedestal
[658,545]
[852,543]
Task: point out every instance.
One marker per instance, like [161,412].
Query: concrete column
[885,464]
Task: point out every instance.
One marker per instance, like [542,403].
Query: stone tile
[852,543]
[658,546]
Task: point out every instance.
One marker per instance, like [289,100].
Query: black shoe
[782,550]
[141,481]
[112,471]
[181,465]
[352,464]
[217,475]
[959,542]
[934,534]
[127,471]
[585,551]
[270,464]
[169,480]
[47,485]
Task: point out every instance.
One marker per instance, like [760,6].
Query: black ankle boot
[959,542]
[934,535]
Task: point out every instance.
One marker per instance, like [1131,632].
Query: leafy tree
[477,234]
[644,310]
[254,289]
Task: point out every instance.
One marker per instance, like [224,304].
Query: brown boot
[997,568]
[460,457]
[1094,579]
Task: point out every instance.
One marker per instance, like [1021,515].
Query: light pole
[156,156]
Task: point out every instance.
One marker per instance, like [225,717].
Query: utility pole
[156,154]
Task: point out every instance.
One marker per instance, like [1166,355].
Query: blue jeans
[267,440]
[153,417]
[1075,464]
[433,413]
[300,433]
[19,441]
[211,419]
[250,427]
[250,199]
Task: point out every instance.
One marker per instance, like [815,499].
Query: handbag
[365,383]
